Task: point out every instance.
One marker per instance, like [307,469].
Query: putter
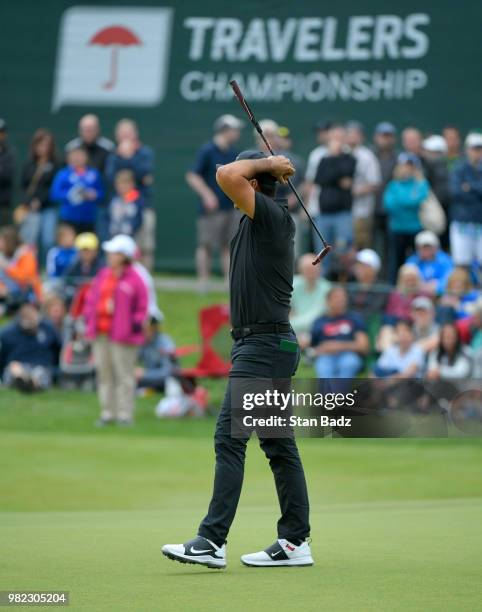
[239,95]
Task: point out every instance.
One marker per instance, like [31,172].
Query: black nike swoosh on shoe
[276,552]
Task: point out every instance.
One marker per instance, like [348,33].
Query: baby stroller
[77,370]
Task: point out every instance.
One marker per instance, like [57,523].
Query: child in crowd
[126,207]
[157,358]
[79,190]
[61,256]
[405,358]
[87,262]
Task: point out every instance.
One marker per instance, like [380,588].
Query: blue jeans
[337,229]
[48,229]
[339,365]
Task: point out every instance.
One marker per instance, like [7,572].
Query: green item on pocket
[288,346]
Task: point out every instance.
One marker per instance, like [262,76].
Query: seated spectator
[61,256]
[18,269]
[409,286]
[309,297]
[435,266]
[126,207]
[402,200]
[405,358]
[466,208]
[339,339]
[87,261]
[426,330]
[157,358]
[451,360]
[115,313]
[459,297]
[78,189]
[55,311]
[366,297]
[29,351]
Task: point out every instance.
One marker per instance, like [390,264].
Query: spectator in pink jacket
[115,313]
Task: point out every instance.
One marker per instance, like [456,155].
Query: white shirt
[314,159]
[367,172]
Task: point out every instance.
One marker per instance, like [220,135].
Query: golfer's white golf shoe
[199,551]
[281,553]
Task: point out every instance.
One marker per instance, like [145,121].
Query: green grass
[395,523]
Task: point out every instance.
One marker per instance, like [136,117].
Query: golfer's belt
[260,328]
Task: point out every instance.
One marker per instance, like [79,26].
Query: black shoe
[199,550]
[24,385]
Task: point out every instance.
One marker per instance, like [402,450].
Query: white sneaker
[199,550]
[280,553]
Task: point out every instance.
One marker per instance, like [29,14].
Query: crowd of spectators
[396,297]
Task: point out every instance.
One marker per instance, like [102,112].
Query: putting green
[395,523]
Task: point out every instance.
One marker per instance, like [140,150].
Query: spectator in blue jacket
[78,189]
[402,200]
[435,266]
[29,351]
[126,207]
[132,154]
[61,256]
[157,357]
[466,209]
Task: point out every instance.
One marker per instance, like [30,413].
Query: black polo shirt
[262,261]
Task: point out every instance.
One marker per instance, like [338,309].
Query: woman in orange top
[18,267]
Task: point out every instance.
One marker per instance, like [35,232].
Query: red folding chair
[214,325]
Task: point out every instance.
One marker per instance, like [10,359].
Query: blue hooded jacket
[402,200]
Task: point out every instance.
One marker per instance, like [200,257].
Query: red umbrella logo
[115,37]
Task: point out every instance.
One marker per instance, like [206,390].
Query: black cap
[3,125]
[265,178]
[323,125]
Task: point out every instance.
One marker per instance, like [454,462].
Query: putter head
[322,254]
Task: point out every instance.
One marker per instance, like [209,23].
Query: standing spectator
[339,339]
[454,144]
[335,177]
[452,360]
[19,278]
[29,351]
[90,139]
[435,266]
[435,151]
[79,189]
[216,216]
[126,207]
[312,191]
[366,183]
[385,141]
[61,256]
[38,172]
[283,191]
[412,142]
[115,312]
[309,297]
[7,174]
[402,200]
[466,208]
[132,154]
[404,358]
[270,130]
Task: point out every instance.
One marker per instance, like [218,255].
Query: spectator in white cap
[217,218]
[115,313]
[367,298]
[426,330]
[434,264]
[466,207]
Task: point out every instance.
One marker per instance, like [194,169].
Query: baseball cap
[435,144]
[323,125]
[227,121]
[265,177]
[474,141]
[426,238]
[422,303]
[385,127]
[3,125]
[268,125]
[409,158]
[354,125]
[370,258]
[121,244]
[87,240]
[283,131]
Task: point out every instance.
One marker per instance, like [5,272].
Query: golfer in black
[265,347]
